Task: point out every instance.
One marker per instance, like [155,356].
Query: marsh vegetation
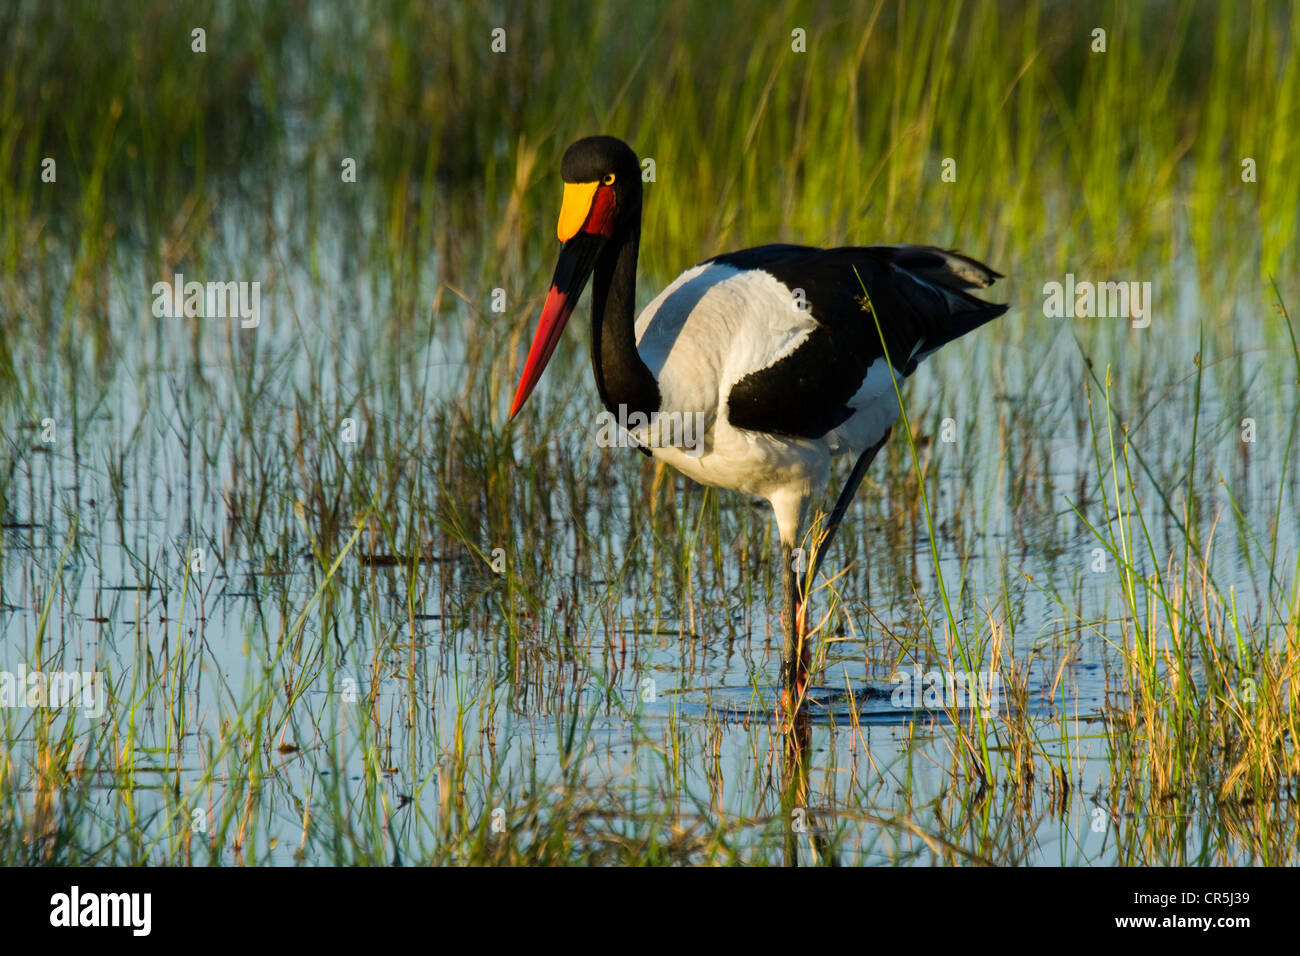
[344,613]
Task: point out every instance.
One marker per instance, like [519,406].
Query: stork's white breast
[713,326]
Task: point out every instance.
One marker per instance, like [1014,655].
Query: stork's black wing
[919,294]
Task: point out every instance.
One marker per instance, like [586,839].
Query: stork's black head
[602,200]
[602,187]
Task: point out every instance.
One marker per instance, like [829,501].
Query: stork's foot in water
[794,673]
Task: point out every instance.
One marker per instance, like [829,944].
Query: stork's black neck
[621,377]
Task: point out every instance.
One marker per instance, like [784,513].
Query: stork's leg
[796,659]
[789,637]
[842,503]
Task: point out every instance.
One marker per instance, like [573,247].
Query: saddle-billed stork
[774,351]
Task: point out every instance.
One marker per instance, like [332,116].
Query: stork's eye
[609,179]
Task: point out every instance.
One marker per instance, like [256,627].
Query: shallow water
[653,643]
